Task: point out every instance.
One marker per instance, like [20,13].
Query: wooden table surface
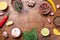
[29,18]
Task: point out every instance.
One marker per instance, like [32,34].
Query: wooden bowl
[44,8]
[56,20]
[17,5]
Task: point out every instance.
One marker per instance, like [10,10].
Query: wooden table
[27,19]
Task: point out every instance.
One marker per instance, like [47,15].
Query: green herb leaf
[18,5]
[32,35]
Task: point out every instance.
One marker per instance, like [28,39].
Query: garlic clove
[48,19]
[1,14]
[5,34]
[58,6]
[52,14]
[33,1]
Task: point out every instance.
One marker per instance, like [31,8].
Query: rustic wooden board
[28,19]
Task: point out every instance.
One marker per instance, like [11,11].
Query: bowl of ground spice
[56,20]
[44,8]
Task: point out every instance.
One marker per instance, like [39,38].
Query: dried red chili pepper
[3,21]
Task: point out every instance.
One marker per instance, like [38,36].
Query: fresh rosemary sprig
[31,35]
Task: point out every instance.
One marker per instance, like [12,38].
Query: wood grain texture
[29,18]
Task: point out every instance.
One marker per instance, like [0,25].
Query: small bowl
[45,32]
[14,6]
[44,7]
[56,20]
[12,2]
[15,32]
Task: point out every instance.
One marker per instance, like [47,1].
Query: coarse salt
[16,32]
